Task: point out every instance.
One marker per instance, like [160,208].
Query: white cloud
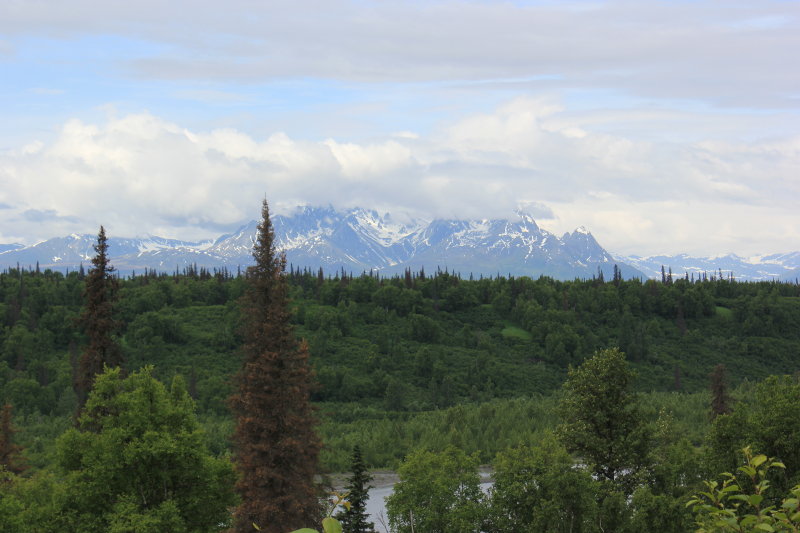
[141,174]
[366,162]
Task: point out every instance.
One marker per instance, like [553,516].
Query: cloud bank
[730,53]
[140,174]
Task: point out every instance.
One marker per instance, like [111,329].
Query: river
[384,485]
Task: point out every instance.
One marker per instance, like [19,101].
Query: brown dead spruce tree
[276,445]
[11,458]
[97,321]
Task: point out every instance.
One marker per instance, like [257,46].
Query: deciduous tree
[437,493]
[541,489]
[138,461]
[601,422]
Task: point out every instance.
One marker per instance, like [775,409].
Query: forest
[432,375]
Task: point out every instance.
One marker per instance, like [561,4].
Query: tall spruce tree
[276,445]
[354,519]
[97,321]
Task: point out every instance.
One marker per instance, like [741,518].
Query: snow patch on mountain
[360,239]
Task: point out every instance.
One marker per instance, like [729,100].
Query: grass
[515,332]
[724,312]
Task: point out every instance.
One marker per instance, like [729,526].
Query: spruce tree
[97,321]
[10,457]
[276,445]
[354,519]
[720,400]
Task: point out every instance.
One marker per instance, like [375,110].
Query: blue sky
[661,126]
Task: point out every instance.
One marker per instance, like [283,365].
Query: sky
[668,126]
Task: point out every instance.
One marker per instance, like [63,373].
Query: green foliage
[437,493]
[765,419]
[540,488]
[137,462]
[427,363]
[368,329]
[329,524]
[361,342]
[602,423]
[30,505]
[514,332]
[739,503]
[675,470]
[385,438]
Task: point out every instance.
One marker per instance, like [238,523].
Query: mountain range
[360,240]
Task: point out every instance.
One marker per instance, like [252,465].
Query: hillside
[406,344]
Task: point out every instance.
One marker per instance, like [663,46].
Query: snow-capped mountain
[68,253]
[359,240]
[7,247]
[782,267]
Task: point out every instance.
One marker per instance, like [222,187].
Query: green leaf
[305,530]
[758,460]
[331,525]
[748,470]
[790,503]
[748,520]
[765,527]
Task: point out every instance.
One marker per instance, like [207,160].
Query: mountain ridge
[361,240]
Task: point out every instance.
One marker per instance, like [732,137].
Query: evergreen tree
[97,321]
[617,275]
[354,519]
[10,457]
[276,445]
[720,400]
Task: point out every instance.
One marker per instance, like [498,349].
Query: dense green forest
[399,351]
[423,363]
